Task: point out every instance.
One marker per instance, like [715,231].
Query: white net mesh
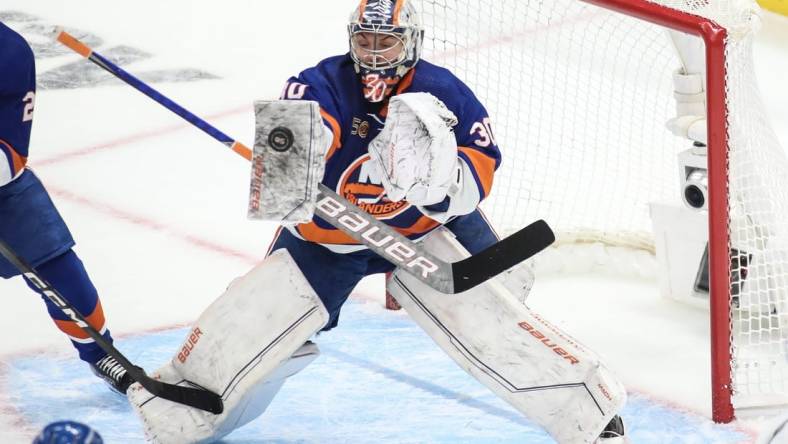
[758,223]
[579,96]
[571,89]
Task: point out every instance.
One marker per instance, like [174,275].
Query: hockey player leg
[242,347]
[68,275]
[537,368]
[33,228]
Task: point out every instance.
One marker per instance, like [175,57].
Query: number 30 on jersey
[30,101]
[484,131]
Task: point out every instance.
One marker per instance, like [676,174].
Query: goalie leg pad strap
[538,369]
[242,347]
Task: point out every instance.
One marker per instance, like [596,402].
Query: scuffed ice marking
[379,379]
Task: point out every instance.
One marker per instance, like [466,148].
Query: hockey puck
[280,139]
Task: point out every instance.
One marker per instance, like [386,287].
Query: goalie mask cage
[579,93]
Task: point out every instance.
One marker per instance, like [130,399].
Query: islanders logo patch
[361,185]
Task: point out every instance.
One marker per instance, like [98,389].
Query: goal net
[579,95]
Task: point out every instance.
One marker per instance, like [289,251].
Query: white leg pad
[242,347]
[537,368]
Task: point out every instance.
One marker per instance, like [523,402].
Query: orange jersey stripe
[335,128]
[17,161]
[362,188]
[311,232]
[423,225]
[95,320]
[483,165]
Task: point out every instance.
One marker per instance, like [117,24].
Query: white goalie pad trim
[518,280]
[242,347]
[534,366]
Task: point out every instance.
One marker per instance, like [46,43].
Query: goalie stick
[446,277]
[193,397]
[443,276]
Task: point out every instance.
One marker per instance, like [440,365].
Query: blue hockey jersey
[17,97]
[354,121]
[29,221]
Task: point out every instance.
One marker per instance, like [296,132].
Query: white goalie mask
[385,39]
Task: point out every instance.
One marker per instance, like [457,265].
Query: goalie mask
[385,42]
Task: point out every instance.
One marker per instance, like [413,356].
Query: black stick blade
[501,256]
[193,397]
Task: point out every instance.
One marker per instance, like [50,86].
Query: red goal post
[714,37]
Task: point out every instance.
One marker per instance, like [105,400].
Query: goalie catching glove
[416,152]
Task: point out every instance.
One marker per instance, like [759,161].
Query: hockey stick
[446,277]
[80,48]
[443,276]
[197,398]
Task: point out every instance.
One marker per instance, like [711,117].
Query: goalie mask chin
[385,39]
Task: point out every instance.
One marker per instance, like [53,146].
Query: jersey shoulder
[445,85]
[13,47]
[333,83]
[16,60]
[330,72]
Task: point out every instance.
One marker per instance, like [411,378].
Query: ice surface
[158,211]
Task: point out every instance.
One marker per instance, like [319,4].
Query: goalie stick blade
[193,397]
[197,398]
[501,256]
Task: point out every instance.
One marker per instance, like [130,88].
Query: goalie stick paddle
[446,277]
[193,397]
[443,276]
